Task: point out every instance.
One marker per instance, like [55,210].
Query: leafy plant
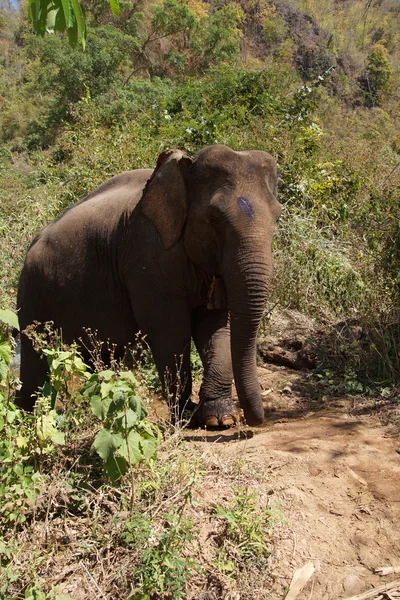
[9,319]
[126,437]
[66,366]
[165,563]
[244,529]
[378,73]
[60,15]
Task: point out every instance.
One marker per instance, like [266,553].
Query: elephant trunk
[247,286]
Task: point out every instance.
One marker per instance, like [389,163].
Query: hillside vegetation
[316,83]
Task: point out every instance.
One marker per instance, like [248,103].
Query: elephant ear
[272,175]
[165,197]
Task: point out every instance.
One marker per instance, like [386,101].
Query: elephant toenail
[227,420]
[211,421]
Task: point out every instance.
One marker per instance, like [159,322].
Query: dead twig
[387,587]
[387,570]
[82,564]
[357,477]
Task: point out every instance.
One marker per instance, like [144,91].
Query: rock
[353,585]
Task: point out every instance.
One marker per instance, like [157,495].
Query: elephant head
[224,205]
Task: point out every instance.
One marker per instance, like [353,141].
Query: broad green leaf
[123,386]
[115,467]
[78,9]
[130,418]
[3,371]
[118,400]
[105,406]
[148,428]
[105,388]
[96,405]
[9,318]
[47,390]
[18,470]
[58,437]
[137,405]
[72,36]
[126,419]
[106,375]
[38,13]
[115,7]
[129,375]
[51,20]
[68,13]
[11,416]
[130,448]
[79,364]
[22,442]
[148,445]
[65,354]
[58,15]
[91,386]
[105,443]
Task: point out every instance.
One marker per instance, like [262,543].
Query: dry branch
[387,570]
[357,477]
[376,591]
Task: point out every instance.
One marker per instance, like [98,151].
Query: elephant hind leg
[33,374]
[167,330]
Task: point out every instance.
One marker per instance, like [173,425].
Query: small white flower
[152,539]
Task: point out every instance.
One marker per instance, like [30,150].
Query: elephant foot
[217,413]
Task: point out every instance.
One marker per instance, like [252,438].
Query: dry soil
[333,468]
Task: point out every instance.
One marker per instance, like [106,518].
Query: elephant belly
[98,306]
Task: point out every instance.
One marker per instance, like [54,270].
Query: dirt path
[335,474]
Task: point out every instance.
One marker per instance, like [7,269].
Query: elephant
[177,253]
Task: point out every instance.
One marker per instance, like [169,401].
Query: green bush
[378,71]
[313,274]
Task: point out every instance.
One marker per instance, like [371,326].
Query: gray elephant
[177,253]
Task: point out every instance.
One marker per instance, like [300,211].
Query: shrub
[378,71]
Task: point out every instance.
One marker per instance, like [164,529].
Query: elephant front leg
[211,334]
